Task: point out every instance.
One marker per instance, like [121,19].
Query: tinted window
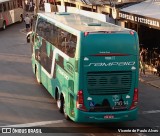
[0,7]
[33,22]
[11,5]
[4,7]
[60,38]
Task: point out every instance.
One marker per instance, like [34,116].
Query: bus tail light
[132,32]
[135,99]
[86,33]
[80,101]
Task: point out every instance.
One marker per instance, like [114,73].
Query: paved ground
[151,79]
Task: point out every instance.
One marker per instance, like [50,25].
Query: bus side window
[11,5]
[0,7]
[4,7]
[8,6]
[53,35]
[67,42]
[63,41]
[60,38]
[40,26]
[34,23]
[46,29]
[72,45]
[15,4]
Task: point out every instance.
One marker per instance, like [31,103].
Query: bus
[11,11]
[89,67]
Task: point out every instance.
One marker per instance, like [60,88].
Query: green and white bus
[90,67]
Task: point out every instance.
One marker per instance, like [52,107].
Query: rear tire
[64,111]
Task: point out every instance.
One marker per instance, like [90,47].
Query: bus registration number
[109,116]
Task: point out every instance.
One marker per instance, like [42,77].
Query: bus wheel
[4,25]
[37,77]
[59,103]
[64,111]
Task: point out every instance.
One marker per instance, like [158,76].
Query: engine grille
[109,83]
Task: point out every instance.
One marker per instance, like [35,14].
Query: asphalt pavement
[150,78]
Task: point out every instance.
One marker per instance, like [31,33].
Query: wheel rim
[59,103]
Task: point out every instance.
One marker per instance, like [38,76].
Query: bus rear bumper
[107,116]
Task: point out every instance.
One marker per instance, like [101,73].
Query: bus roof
[1,1]
[81,23]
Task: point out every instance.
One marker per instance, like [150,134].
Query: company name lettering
[63,74]
[139,19]
[111,64]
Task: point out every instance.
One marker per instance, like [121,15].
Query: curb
[152,84]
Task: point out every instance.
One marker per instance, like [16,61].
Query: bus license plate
[109,116]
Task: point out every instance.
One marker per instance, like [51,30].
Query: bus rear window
[114,44]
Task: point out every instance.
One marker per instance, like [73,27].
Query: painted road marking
[34,124]
[150,112]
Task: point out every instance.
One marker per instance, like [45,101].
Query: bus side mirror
[28,37]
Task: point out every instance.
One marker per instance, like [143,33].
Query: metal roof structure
[149,8]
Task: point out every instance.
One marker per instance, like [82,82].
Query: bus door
[37,53]
[45,50]
[38,43]
[31,35]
